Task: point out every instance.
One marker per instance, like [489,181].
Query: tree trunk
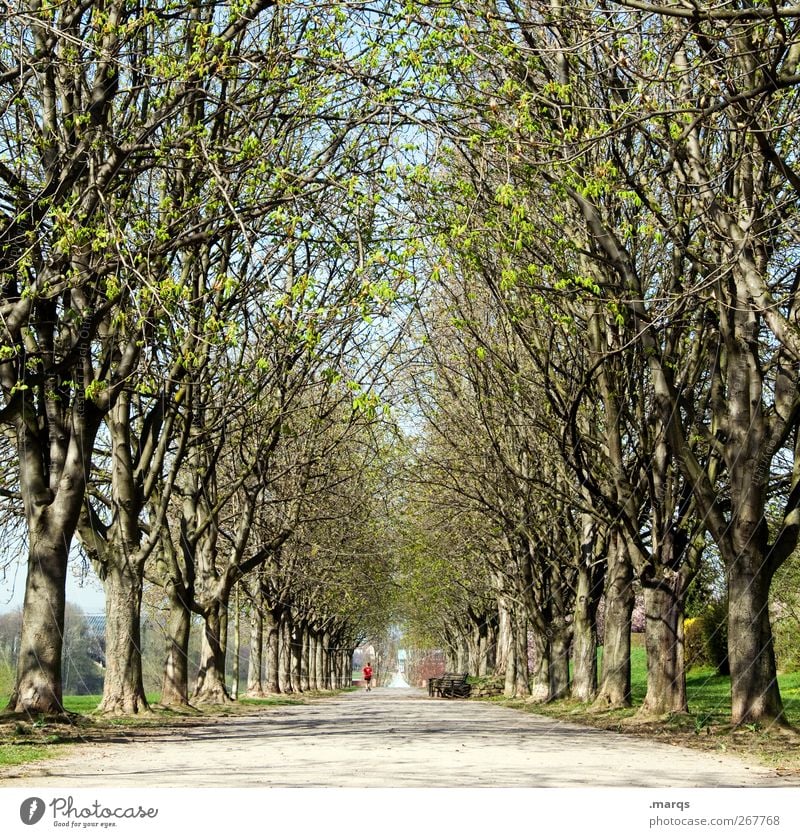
[517,681]
[615,687]
[540,676]
[666,673]
[38,686]
[473,650]
[236,645]
[285,653]
[175,685]
[504,632]
[210,686]
[272,636]
[462,654]
[326,660]
[296,652]
[584,639]
[559,663]
[255,685]
[319,662]
[755,696]
[305,658]
[123,688]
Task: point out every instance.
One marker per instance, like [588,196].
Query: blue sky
[87,593]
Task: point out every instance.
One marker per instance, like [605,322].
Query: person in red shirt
[367,672]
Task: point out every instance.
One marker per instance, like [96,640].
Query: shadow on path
[391,738]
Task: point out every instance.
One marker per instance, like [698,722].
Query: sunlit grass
[13,754]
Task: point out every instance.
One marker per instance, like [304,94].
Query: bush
[785,615]
[694,643]
[715,634]
[705,638]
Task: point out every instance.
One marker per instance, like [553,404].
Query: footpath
[389,738]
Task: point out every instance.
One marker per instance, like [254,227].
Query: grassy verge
[25,740]
[707,726]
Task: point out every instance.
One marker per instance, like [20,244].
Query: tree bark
[326,660]
[255,685]
[584,638]
[305,658]
[38,686]
[540,676]
[666,671]
[123,688]
[210,687]
[296,654]
[517,683]
[755,696]
[272,637]
[319,662]
[615,687]
[236,645]
[560,644]
[285,652]
[175,684]
[504,633]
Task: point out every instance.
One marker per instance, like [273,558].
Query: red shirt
[367,672]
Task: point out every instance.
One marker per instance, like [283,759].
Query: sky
[86,593]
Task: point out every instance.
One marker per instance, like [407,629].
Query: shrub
[785,615]
[715,634]
[694,643]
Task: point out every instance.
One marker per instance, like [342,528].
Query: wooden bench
[449,685]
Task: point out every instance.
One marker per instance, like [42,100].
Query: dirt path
[390,738]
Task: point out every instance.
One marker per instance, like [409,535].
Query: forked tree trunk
[175,684]
[123,688]
[210,686]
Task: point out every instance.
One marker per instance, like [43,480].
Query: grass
[19,753]
[26,740]
[707,726]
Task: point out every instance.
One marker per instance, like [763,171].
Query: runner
[367,671]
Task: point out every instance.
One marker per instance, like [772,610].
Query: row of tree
[191,275]
[609,376]
[210,215]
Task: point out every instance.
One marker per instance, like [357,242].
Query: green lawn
[709,694]
[706,727]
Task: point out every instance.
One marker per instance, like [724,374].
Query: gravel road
[390,738]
